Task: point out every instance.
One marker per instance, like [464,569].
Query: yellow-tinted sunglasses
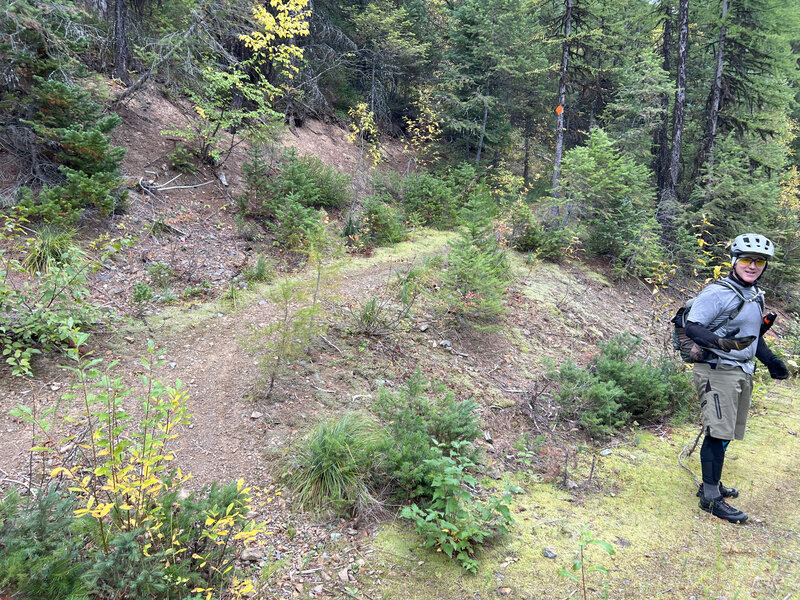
[748,260]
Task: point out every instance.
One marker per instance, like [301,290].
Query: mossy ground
[642,503]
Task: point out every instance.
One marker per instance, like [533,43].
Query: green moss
[665,546]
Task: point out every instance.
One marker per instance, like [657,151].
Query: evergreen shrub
[419,418]
[257,172]
[431,200]
[141,292]
[612,195]
[617,389]
[310,182]
[182,160]
[120,526]
[475,281]
[528,234]
[72,133]
[295,224]
[41,548]
[382,223]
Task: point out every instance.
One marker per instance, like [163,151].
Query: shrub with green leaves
[617,389]
[455,522]
[332,466]
[120,527]
[44,315]
[418,418]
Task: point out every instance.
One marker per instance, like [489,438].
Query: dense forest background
[636,128]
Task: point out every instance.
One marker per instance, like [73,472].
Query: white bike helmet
[752,244]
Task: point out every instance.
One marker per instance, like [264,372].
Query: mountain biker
[724,381]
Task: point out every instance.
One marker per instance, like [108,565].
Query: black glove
[705,338]
[778,370]
[730,342]
[740,343]
[767,322]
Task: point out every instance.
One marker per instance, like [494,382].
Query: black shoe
[723,510]
[725,491]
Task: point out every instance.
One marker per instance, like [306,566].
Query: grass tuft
[329,468]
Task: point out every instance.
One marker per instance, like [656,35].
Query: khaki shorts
[724,394]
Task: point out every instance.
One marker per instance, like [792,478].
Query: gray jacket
[714,306]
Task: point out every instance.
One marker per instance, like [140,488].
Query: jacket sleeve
[763,353]
[701,335]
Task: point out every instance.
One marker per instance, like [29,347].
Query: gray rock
[606,452]
[549,553]
[252,554]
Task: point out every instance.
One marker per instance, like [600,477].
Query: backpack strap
[759,298]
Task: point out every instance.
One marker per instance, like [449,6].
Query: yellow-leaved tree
[217,98]
[276,43]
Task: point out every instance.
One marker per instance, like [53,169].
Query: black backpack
[691,352]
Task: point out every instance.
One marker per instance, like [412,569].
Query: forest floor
[629,491]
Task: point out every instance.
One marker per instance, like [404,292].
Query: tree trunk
[706,152]
[483,132]
[120,43]
[662,135]
[562,97]
[668,205]
[527,161]
[372,85]
[680,94]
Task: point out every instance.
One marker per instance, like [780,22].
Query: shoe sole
[730,519]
